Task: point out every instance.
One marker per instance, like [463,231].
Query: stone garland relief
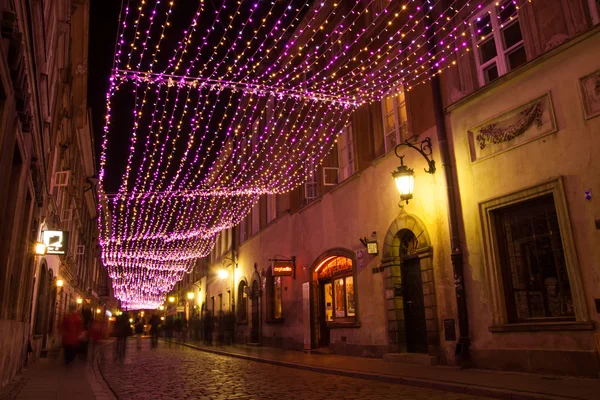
[589,89]
[512,128]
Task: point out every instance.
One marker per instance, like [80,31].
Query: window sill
[543,326]
[274,320]
[337,325]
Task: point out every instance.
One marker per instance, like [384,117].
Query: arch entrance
[407,259]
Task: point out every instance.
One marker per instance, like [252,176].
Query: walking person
[208,328]
[122,330]
[154,323]
[71,329]
[139,330]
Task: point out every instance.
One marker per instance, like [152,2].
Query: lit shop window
[336,280]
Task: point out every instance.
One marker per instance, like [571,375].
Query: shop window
[336,277]
[395,118]
[498,41]
[536,282]
[242,311]
[274,296]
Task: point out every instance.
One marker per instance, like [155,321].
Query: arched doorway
[410,299]
[332,295]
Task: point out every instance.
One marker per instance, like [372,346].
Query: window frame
[345,147]
[242,301]
[500,59]
[498,304]
[398,88]
[271,289]
[343,275]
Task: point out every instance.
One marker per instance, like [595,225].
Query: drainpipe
[452,192]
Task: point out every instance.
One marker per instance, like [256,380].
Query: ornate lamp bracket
[424,148]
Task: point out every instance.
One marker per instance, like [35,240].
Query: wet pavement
[177,372]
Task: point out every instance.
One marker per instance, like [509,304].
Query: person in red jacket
[72,327]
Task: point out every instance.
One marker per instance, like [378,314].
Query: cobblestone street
[178,372]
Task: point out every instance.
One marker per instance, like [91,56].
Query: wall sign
[283,268]
[57,242]
[372,248]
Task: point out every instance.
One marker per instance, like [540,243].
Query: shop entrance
[332,296]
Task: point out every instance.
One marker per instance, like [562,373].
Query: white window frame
[244,230]
[501,54]
[311,186]
[66,215]
[61,178]
[346,153]
[331,176]
[398,126]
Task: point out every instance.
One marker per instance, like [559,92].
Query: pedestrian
[71,329]
[154,323]
[122,330]
[139,330]
[177,328]
[208,328]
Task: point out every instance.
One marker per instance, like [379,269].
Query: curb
[474,390]
[98,371]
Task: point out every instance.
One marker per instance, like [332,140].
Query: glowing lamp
[171,299]
[405,181]
[190,295]
[59,283]
[223,274]
[98,311]
[79,300]
[161,308]
[40,249]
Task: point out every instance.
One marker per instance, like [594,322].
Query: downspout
[452,192]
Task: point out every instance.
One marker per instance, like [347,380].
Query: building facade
[48,179]
[339,264]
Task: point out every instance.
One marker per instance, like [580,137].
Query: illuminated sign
[283,268]
[372,248]
[57,242]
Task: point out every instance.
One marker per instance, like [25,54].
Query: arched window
[242,312]
[336,277]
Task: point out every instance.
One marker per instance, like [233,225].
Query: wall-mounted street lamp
[171,299]
[190,295]
[161,308]
[39,249]
[79,300]
[404,176]
[223,273]
[59,283]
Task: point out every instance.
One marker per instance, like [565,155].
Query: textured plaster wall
[571,152]
[13,339]
[364,203]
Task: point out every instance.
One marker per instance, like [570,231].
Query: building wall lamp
[404,176]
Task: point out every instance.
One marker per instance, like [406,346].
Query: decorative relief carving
[512,128]
[589,89]
[495,134]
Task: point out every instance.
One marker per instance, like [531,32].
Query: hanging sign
[57,242]
[372,248]
[283,268]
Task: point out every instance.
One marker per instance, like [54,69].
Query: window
[274,296]
[243,230]
[220,303]
[256,217]
[345,147]
[242,312]
[311,186]
[536,283]
[395,119]
[337,281]
[498,41]
[271,207]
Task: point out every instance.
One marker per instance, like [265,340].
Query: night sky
[104,17]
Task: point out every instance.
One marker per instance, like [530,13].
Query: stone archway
[407,245]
